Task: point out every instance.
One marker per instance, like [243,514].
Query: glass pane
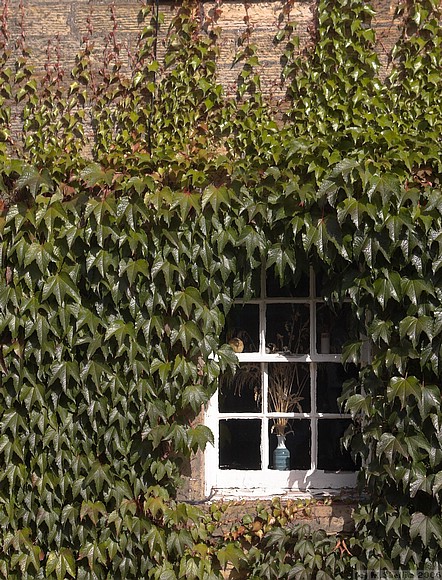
[321,281]
[297,441]
[242,392]
[287,328]
[331,455]
[329,381]
[293,289]
[240,444]
[333,328]
[242,328]
[289,388]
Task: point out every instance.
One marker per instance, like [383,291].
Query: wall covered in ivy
[135,208]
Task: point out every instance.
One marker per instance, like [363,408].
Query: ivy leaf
[50,213]
[383,291]
[352,207]
[387,185]
[413,326]
[418,447]
[328,188]
[166,268]
[413,288]
[132,268]
[215,196]
[310,238]
[186,300]
[430,400]
[94,552]
[359,403]
[402,388]
[94,174]
[59,285]
[344,168]
[230,554]
[63,371]
[426,527]
[389,445]
[380,330]
[61,562]
[199,436]
[95,370]
[39,253]
[187,333]
[98,473]
[92,510]
[252,240]
[437,483]
[195,396]
[30,177]
[370,248]
[351,352]
[120,330]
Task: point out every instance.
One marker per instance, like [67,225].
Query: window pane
[333,328]
[240,444]
[331,455]
[294,289]
[242,328]
[330,379]
[289,388]
[287,328]
[242,392]
[297,441]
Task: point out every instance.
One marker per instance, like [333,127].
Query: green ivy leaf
[94,174]
[402,388]
[232,554]
[60,285]
[195,396]
[426,527]
[62,563]
[199,436]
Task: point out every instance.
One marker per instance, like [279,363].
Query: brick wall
[62,25]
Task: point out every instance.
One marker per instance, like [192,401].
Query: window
[284,394]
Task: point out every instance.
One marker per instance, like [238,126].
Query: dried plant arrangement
[287,382]
[286,385]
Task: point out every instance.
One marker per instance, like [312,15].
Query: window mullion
[265,421]
[264,373]
[313,372]
[314,417]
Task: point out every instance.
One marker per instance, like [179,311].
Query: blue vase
[281,455]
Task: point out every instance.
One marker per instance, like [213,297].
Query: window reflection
[331,455]
[240,444]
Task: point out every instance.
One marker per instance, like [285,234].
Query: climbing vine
[137,202]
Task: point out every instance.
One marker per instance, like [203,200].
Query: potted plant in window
[286,384]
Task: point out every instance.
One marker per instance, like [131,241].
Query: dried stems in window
[286,385]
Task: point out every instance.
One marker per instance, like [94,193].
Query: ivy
[137,204]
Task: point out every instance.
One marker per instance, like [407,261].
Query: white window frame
[266,482]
